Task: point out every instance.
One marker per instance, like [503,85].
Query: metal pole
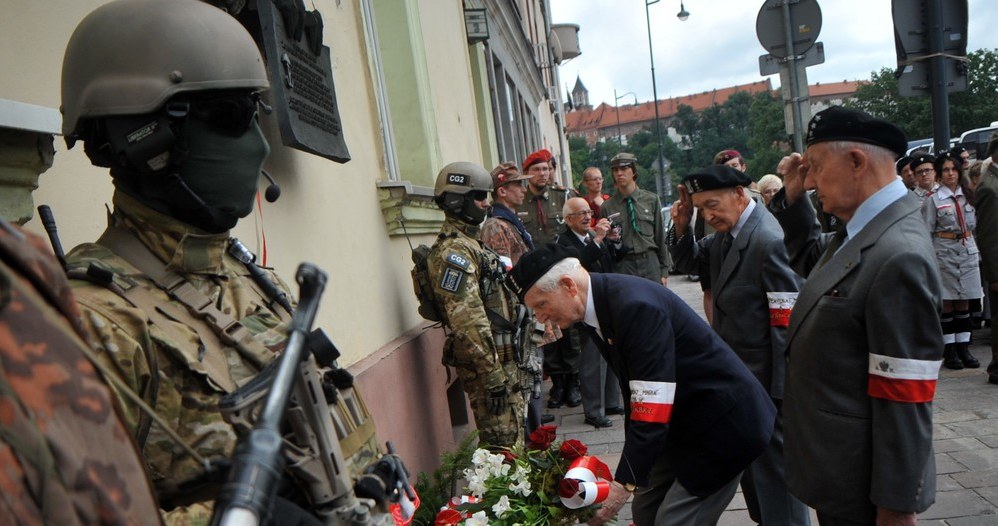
[654,92]
[616,108]
[940,101]
[794,81]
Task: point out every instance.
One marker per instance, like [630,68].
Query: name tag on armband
[652,401]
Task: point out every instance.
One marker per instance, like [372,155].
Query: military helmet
[462,177]
[128,57]
[458,186]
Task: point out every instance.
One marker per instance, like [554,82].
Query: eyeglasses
[925,171]
[586,213]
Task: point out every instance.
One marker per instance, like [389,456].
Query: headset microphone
[273,191]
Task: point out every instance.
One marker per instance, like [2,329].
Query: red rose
[542,437]
[448,517]
[568,488]
[572,449]
[508,457]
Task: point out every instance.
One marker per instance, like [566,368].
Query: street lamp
[683,14]
[616,108]
[654,91]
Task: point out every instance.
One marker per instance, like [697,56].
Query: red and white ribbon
[594,482]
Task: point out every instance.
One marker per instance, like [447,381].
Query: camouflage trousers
[505,429]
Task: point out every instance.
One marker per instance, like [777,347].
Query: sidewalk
[966,439]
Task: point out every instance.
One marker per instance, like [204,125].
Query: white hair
[877,154]
[549,281]
[770,180]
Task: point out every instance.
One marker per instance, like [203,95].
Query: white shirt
[590,316]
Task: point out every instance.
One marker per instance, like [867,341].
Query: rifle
[310,439]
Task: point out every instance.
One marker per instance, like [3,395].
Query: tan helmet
[128,57]
[462,177]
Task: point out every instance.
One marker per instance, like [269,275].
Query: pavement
[965,438]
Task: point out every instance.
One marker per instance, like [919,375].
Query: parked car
[976,140]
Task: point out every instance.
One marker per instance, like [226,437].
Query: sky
[717,46]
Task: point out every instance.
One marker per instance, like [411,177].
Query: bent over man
[696,417]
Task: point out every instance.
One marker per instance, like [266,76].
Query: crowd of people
[800,386]
[815,397]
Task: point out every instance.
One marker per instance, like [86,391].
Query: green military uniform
[180,368]
[541,213]
[65,453]
[641,231]
[468,283]
[986,202]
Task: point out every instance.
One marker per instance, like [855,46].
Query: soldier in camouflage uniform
[66,456]
[483,316]
[168,308]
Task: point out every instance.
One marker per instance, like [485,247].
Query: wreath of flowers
[529,486]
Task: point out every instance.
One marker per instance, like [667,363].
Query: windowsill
[404,202]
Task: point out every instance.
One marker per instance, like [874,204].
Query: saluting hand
[793,170]
[682,212]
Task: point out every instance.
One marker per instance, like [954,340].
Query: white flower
[476,485]
[523,488]
[501,507]
[520,474]
[480,457]
[478,519]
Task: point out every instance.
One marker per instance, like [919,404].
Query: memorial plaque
[301,83]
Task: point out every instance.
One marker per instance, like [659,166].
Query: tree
[768,138]
[974,108]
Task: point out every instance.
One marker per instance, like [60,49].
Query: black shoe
[599,421]
[546,418]
[573,397]
[993,378]
[556,397]
[968,360]
[950,359]
[614,411]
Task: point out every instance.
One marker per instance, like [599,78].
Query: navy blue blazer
[691,400]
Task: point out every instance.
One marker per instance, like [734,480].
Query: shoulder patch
[459,261]
[452,280]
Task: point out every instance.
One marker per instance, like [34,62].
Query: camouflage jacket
[65,453]
[178,371]
[467,278]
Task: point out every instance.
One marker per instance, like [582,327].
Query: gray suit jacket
[864,346]
[756,264]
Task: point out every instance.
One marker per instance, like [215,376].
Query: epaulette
[99,273]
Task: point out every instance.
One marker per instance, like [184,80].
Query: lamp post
[616,108]
[683,15]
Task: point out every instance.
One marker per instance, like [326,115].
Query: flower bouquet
[542,485]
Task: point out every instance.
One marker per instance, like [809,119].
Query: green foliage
[436,489]
[768,137]
[976,107]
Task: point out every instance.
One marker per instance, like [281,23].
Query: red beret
[540,156]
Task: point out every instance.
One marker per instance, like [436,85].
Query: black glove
[497,400]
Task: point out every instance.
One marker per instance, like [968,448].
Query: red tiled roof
[831,89]
[604,115]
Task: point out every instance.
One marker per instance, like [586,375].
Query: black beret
[714,177]
[922,158]
[534,264]
[844,124]
[901,163]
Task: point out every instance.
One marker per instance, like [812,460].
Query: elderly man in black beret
[858,405]
[695,416]
[753,291]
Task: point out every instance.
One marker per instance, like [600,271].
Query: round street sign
[805,23]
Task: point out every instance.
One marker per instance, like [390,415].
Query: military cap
[901,163]
[623,159]
[921,159]
[844,124]
[534,264]
[540,156]
[726,155]
[507,173]
[714,177]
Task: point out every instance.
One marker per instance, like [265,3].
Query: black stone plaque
[301,84]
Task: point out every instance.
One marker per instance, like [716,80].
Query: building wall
[330,214]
